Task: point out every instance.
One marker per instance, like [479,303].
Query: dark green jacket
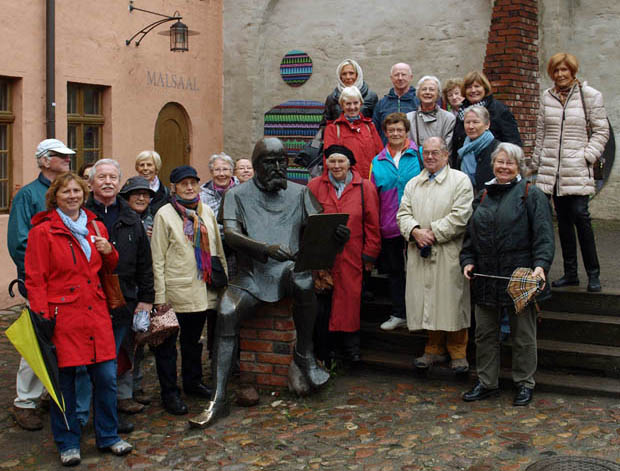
[28,201]
[510,228]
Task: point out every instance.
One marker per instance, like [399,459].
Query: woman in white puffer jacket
[564,156]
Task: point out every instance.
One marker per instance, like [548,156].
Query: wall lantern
[179,32]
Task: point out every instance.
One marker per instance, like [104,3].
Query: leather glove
[342,234]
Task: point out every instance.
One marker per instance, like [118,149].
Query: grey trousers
[523,335]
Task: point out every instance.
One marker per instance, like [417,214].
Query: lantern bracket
[150,27]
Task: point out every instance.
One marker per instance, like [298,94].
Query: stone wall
[443,38]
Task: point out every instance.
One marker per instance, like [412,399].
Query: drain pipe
[50,64]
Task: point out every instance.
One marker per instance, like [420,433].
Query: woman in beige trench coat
[433,215]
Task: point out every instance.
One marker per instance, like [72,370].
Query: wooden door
[172,139]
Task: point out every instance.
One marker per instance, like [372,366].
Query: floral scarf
[196,232]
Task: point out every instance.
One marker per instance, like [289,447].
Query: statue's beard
[275,180]
[276,184]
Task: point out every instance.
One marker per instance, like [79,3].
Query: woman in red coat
[354,131]
[342,190]
[63,259]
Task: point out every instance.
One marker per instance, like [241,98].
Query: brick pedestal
[511,62]
[266,342]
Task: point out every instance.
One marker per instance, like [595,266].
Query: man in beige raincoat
[433,215]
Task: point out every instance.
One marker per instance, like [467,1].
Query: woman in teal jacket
[391,169]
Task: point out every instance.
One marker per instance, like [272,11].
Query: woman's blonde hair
[556,59]
[149,154]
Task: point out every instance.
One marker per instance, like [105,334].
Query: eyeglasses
[396,131]
[432,153]
[141,194]
[60,156]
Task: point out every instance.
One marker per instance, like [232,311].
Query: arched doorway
[172,139]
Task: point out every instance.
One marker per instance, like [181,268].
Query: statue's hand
[342,234]
[279,253]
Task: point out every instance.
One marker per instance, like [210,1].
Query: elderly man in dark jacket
[400,99]
[135,266]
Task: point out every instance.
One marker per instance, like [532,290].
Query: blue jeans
[103,376]
[83,387]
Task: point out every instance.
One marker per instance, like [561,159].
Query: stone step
[546,380]
[574,299]
[577,327]
[577,299]
[578,358]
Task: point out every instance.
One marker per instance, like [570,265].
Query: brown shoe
[142,397]
[28,419]
[129,406]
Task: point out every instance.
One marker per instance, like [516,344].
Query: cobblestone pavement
[365,420]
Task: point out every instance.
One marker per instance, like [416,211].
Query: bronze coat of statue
[263,221]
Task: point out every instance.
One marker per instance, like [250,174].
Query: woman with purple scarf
[185,234]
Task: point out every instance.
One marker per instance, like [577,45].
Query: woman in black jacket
[349,73]
[511,227]
[477,91]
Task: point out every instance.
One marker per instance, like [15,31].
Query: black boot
[594,283]
[566,280]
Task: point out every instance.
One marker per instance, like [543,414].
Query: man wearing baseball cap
[53,158]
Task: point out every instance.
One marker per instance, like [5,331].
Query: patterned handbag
[164,323]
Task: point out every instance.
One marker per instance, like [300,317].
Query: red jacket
[363,245]
[360,137]
[63,284]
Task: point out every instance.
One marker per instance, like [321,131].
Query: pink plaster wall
[90,48]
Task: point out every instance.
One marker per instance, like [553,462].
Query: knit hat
[342,150]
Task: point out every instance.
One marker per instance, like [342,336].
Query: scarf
[78,229]
[494,181]
[154,184]
[461,114]
[340,186]
[221,190]
[196,232]
[352,119]
[563,93]
[359,82]
[470,150]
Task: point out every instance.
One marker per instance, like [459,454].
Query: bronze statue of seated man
[263,222]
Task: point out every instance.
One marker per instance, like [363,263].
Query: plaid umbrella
[522,287]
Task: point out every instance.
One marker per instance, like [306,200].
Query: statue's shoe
[315,375]
[213,412]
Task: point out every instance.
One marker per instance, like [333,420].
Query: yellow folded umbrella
[31,335]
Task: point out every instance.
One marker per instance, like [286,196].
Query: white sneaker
[70,457]
[393,322]
[120,448]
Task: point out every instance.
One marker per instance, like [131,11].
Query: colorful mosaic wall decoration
[295,123]
[296,68]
